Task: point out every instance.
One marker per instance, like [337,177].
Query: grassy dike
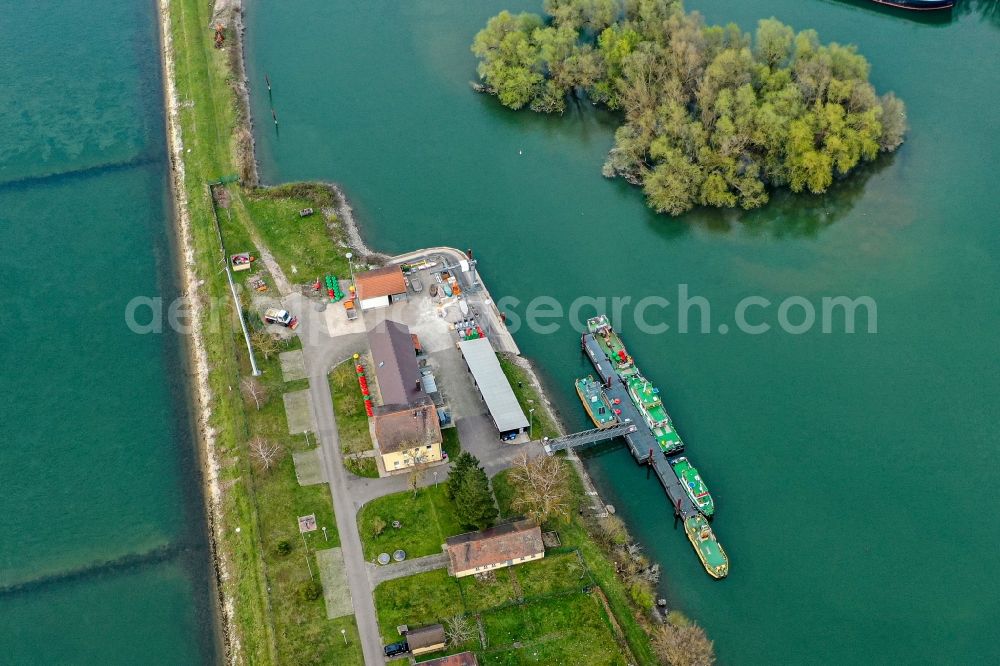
[266,620]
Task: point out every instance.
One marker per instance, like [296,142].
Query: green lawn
[568,629]
[556,573]
[450,442]
[561,625]
[349,406]
[307,243]
[426,519]
[542,423]
[366,467]
[486,594]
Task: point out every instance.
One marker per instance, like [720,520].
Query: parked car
[396,649]
[280,317]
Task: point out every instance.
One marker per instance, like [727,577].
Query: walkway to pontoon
[641,442]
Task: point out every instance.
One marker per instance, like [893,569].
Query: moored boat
[709,550]
[917,5]
[610,343]
[598,407]
[694,485]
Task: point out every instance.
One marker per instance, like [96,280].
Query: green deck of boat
[710,548]
[668,439]
[593,399]
[692,481]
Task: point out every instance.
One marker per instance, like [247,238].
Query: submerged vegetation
[712,116]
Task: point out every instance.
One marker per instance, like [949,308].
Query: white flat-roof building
[492,383]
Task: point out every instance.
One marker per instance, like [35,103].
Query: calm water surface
[853,473]
[103,558]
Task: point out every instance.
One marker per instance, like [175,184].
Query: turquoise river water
[854,473]
[103,554]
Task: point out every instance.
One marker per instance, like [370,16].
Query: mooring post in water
[649,463]
[677,512]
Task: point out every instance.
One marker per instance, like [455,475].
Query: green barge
[599,408]
[709,550]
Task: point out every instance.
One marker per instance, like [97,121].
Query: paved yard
[293,366]
[298,409]
[308,467]
[332,573]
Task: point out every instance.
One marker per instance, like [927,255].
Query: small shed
[380,287]
[425,639]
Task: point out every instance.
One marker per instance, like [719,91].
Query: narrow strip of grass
[450,442]
[542,423]
[349,406]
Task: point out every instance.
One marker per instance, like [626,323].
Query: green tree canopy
[710,116]
[459,468]
[473,500]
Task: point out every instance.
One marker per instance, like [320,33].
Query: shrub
[312,591]
[378,526]
[284,547]
[641,594]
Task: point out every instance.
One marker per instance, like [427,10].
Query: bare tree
[265,343]
[458,629]
[420,465]
[542,489]
[254,390]
[264,452]
[683,645]
[613,531]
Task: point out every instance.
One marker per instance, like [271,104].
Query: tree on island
[711,116]
[469,487]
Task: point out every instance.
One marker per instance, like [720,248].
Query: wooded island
[711,116]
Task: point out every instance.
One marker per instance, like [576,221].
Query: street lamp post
[351,264]
[531,422]
[343,632]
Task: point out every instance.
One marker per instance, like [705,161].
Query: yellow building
[407,435]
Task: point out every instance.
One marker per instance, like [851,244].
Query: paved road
[378,574]
[319,357]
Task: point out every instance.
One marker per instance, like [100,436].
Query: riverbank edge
[195,346]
